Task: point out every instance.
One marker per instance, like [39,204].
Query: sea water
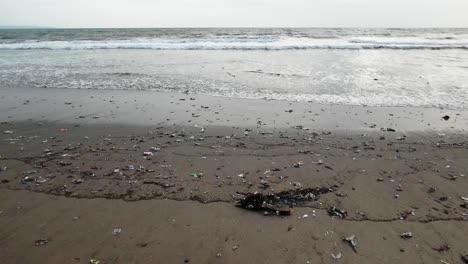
[379,67]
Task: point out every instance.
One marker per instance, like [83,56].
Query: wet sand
[74,169]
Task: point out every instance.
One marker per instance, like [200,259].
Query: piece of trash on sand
[198,175]
[41,242]
[335,257]
[304,216]
[117,231]
[442,248]
[334,211]
[446,117]
[8,132]
[298,165]
[351,241]
[94,261]
[280,203]
[406,235]
[148,153]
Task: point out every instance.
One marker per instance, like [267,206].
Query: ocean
[377,67]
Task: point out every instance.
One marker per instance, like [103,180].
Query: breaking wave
[258,43]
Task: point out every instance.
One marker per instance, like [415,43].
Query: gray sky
[235,13]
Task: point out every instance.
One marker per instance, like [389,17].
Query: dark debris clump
[282,202]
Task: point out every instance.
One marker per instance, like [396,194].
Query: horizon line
[233,27]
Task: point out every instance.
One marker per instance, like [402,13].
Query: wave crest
[265,43]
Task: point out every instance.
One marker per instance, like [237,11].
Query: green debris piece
[198,175]
[94,261]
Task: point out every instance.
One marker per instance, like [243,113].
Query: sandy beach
[153,177]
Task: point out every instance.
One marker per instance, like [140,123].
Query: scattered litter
[297,185]
[406,235]
[442,248]
[351,241]
[334,211]
[446,117]
[27,178]
[280,203]
[41,242]
[148,153]
[198,175]
[298,165]
[8,132]
[87,174]
[235,248]
[94,261]
[304,216]
[117,231]
[40,179]
[337,256]
[464,199]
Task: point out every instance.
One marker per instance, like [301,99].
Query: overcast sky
[235,13]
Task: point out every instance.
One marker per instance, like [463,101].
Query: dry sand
[74,170]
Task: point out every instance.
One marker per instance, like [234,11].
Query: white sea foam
[258,43]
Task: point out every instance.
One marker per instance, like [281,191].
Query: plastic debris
[298,165]
[148,153]
[446,117]
[351,241]
[406,235]
[117,231]
[41,242]
[334,211]
[198,175]
[94,261]
[337,256]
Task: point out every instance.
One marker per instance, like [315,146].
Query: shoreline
[150,108]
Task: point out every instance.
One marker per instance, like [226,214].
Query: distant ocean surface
[381,67]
